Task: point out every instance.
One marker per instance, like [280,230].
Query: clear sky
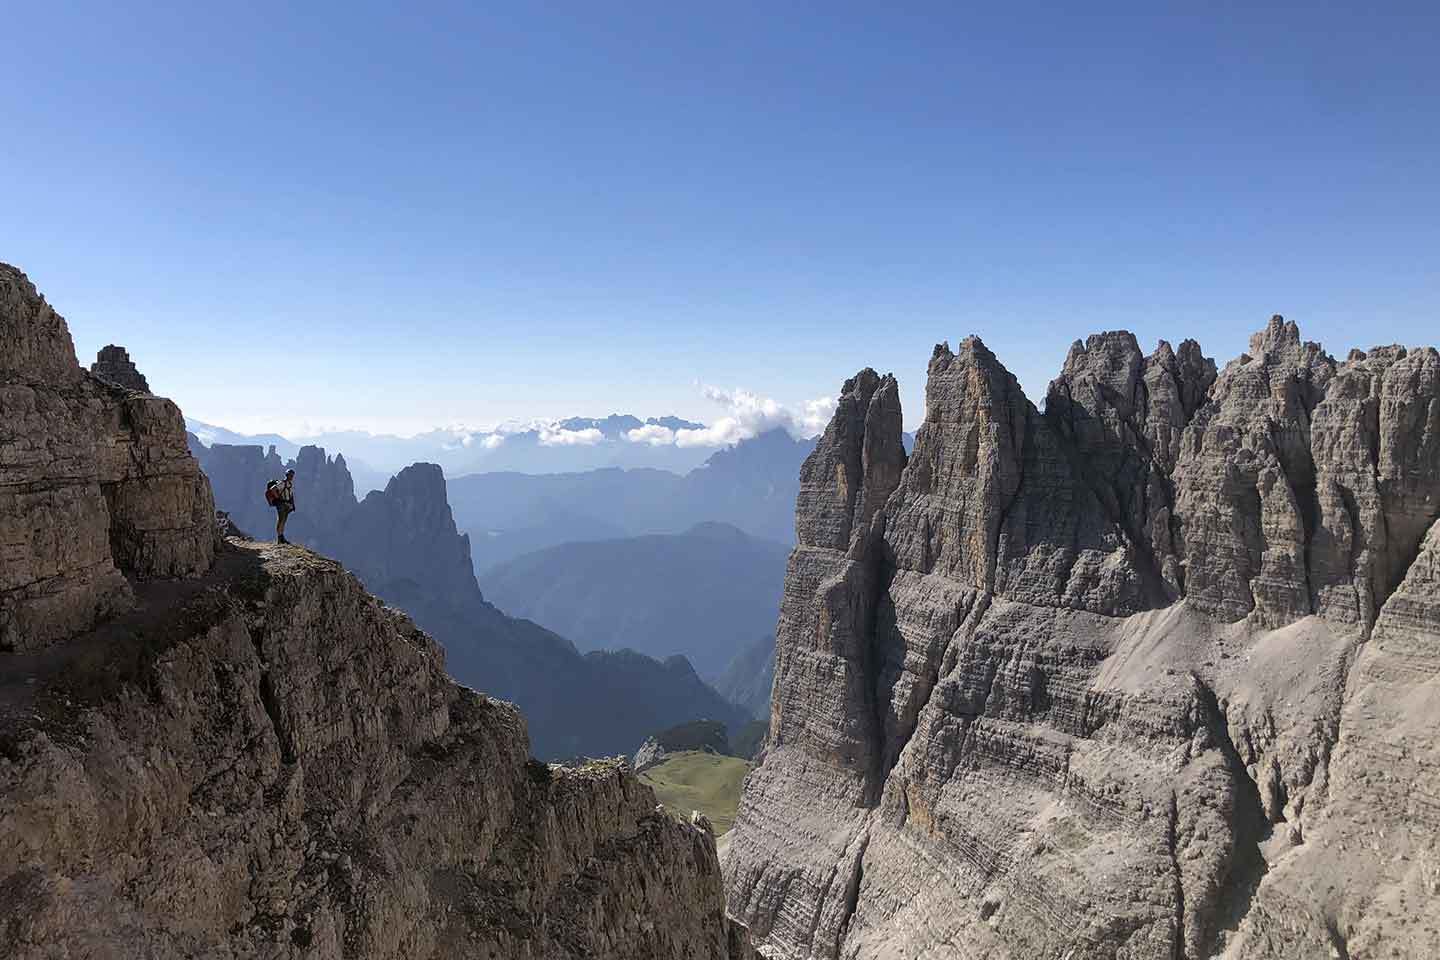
[393,216]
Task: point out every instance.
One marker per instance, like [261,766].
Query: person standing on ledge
[284,505]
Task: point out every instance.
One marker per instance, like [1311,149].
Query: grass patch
[706,782]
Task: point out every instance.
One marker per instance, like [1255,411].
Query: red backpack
[272,492]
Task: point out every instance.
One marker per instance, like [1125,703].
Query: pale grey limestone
[1151,673]
[96,482]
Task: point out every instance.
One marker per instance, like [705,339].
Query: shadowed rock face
[96,483]
[1119,678]
[406,532]
[224,749]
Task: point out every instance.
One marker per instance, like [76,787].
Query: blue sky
[376,216]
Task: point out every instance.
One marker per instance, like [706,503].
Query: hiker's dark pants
[282,513]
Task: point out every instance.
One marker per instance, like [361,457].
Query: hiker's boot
[281,539]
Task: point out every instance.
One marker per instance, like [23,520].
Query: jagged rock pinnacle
[113,365]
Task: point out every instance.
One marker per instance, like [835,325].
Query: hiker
[282,496]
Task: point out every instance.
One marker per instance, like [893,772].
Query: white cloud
[817,415]
[744,414]
[750,414]
[488,441]
[651,434]
[551,437]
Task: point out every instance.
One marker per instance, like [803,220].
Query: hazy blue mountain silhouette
[702,594]
[751,486]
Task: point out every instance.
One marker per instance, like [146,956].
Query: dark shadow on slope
[1250,826]
[49,686]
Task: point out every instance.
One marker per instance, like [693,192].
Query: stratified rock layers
[1152,673]
[96,482]
[113,364]
[280,767]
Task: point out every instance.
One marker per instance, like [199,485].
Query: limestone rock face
[1122,415]
[96,483]
[1376,445]
[849,476]
[964,473]
[38,348]
[113,365]
[650,754]
[1143,674]
[1247,484]
[324,493]
[269,762]
[851,472]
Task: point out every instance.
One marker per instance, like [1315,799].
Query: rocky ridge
[219,748]
[1151,672]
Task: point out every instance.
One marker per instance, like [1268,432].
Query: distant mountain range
[702,593]
[751,486]
[403,544]
[541,446]
[572,445]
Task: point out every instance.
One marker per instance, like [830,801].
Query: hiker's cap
[289,473]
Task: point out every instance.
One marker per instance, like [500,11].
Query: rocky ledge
[1151,672]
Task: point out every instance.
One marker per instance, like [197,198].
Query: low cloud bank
[747,414]
[554,437]
[652,435]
